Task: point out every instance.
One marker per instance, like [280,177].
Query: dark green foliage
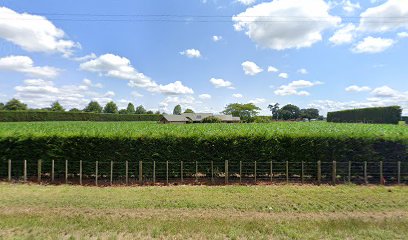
[262,119]
[1,106]
[212,119]
[140,110]
[274,110]
[31,116]
[93,107]
[110,107]
[245,111]
[150,112]
[177,110]
[188,110]
[15,105]
[74,110]
[289,112]
[130,108]
[309,113]
[56,107]
[405,119]
[123,111]
[390,114]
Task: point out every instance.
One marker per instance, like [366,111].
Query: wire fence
[101,173]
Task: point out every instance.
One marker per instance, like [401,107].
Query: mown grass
[203,212]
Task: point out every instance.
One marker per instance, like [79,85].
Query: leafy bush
[405,119]
[212,119]
[262,119]
[390,114]
[31,116]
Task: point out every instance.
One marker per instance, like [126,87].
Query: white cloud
[120,67]
[373,45]
[385,91]
[136,94]
[34,33]
[303,71]
[283,75]
[185,101]
[386,17]
[250,68]
[355,88]
[219,83]
[257,100]
[293,88]
[204,96]
[403,35]
[216,38]
[85,58]
[350,7]
[272,25]
[272,69]
[344,35]
[237,95]
[89,83]
[191,53]
[25,65]
[246,2]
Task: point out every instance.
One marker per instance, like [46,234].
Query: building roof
[227,118]
[197,117]
[176,118]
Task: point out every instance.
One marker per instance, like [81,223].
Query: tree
[149,112]
[56,107]
[130,108]
[14,105]
[290,111]
[309,113]
[212,119]
[123,111]
[177,110]
[110,107]
[1,106]
[74,110]
[188,110]
[94,107]
[275,110]
[157,112]
[140,110]
[244,111]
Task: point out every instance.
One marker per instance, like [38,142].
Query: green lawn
[203,212]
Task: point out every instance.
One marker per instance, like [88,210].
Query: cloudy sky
[204,54]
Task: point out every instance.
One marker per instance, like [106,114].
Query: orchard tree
[188,110]
[110,107]
[244,111]
[140,110]
[130,108]
[177,110]
[56,107]
[290,111]
[14,105]
[309,113]
[94,107]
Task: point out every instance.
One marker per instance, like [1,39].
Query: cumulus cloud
[350,7]
[355,88]
[237,95]
[137,94]
[246,2]
[271,24]
[272,69]
[216,38]
[283,75]
[219,83]
[85,58]
[294,87]
[111,65]
[303,71]
[185,101]
[344,35]
[204,96]
[373,45]
[25,65]
[257,100]
[191,53]
[89,83]
[34,33]
[403,35]
[250,68]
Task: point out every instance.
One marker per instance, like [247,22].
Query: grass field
[200,212]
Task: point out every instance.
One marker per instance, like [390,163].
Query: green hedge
[390,114]
[405,119]
[32,116]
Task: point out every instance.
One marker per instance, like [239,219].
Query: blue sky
[203,55]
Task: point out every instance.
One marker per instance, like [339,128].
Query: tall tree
[130,108]
[309,113]
[56,107]
[289,111]
[140,110]
[274,110]
[177,110]
[123,111]
[94,107]
[188,110]
[74,110]
[110,107]
[149,112]
[244,111]
[15,104]
[1,106]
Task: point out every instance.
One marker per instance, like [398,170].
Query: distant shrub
[405,119]
[390,114]
[212,119]
[262,119]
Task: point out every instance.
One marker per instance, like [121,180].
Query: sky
[205,54]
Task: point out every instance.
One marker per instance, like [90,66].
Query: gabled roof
[176,118]
[197,117]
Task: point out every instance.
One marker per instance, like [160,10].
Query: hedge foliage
[405,119]
[148,142]
[32,116]
[390,114]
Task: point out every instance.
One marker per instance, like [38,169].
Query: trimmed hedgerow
[390,114]
[405,119]
[32,116]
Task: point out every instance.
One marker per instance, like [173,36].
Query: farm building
[196,118]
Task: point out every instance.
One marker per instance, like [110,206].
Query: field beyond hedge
[200,212]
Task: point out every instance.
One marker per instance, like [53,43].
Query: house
[174,119]
[196,118]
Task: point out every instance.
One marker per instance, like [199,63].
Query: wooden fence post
[127,172]
[319,172]
[255,172]
[334,173]
[240,172]
[9,170]
[196,172]
[167,172]
[66,171]
[96,173]
[287,171]
[154,172]
[181,171]
[111,173]
[212,171]
[25,170]
[365,173]
[80,172]
[381,173]
[140,172]
[349,172]
[52,170]
[226,171]
[39,170]
[271,172]
[302,173]
[399,172]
